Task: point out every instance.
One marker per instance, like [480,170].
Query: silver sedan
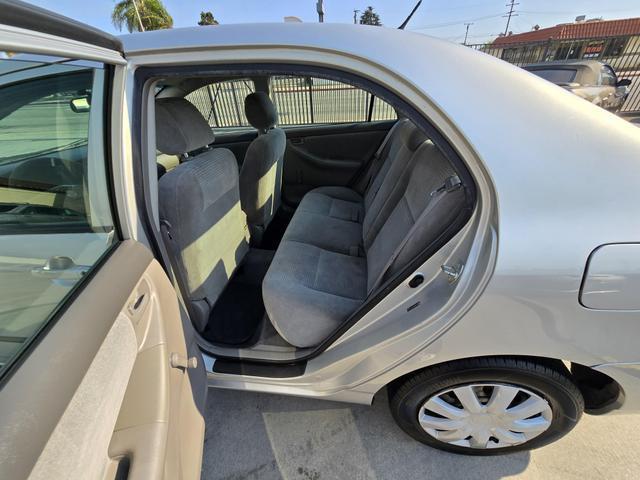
[319,210]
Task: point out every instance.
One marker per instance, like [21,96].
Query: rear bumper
[628,376]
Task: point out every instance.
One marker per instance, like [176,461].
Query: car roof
[541,144]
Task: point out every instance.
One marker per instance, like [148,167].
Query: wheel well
[600,391]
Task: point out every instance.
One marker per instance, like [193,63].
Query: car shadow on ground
[262,436]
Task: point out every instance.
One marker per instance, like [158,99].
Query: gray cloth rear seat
[199,201]
[314,284]
[339,219]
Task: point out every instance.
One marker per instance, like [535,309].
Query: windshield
[556,75]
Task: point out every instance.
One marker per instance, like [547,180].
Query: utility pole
[320,10]
[355,16]
[512,5]
[466,34]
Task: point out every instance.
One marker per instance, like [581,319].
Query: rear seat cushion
[312,291]
[336,202]
[333,234]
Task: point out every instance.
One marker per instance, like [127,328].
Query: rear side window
[222,103]
[557,75]
[607,76]
[312,100]
[55,215]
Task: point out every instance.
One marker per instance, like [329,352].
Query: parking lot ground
[261,436]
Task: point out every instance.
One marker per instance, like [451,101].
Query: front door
[100,374]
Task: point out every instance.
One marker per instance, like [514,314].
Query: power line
[456,22]
[512,5]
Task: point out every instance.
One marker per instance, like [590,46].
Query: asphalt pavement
[261,436]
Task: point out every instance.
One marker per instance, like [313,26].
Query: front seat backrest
[199,203]
[261,172]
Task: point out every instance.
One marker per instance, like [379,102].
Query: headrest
[180,128]
[416,138]
[260,111]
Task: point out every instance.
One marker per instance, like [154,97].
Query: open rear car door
[101,377]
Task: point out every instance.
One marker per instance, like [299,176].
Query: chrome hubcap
[486,415]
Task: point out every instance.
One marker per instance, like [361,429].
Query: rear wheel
[487,406]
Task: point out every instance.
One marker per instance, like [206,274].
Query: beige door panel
[98,392]
[160,428]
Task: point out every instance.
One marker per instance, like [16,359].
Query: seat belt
[451,184]
[375,160]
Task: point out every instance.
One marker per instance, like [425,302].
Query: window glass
[222,103]
[55,216]
[568,51]
[607,77]
[593,49]
[312,100]
[556,75]
[615,47]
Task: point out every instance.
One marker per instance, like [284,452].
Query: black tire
[550,380]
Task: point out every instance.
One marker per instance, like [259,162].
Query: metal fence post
[545,54]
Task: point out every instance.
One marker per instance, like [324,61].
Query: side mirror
[623,82]
[80,105]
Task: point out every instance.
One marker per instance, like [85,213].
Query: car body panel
[530,305]
[524,256]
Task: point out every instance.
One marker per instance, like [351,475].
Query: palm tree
[150,15]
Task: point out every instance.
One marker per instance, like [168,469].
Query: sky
[440,18]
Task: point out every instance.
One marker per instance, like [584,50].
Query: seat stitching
[322,249]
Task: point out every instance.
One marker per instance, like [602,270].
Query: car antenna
[404,24]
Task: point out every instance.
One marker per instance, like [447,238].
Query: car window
[556,75]
[55,216]
[311,100]
[607,77]
[222,103]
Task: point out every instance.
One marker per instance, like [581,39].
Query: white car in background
[300,209]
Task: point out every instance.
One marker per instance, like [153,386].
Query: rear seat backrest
[393,143]
[427,172]
[393,183]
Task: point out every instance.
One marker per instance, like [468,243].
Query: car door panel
[323,155]
[100,383]
[104,378]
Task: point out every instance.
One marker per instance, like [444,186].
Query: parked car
[384,236]
[592,80]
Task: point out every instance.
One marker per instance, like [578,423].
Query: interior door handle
[297,140]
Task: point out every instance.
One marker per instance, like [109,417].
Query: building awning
[574,31]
